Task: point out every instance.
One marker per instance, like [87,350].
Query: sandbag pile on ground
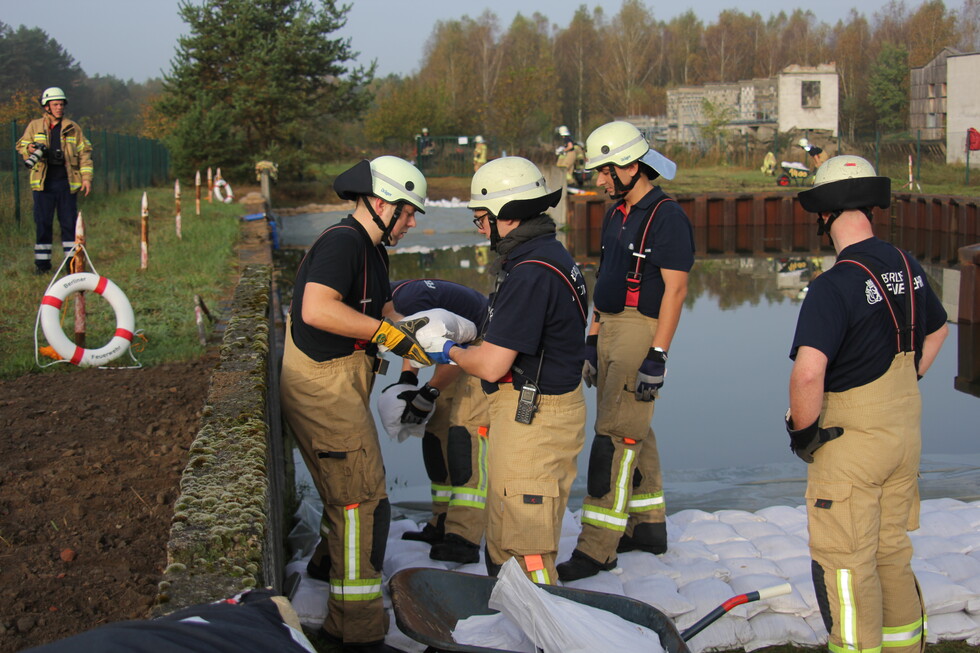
[714,556]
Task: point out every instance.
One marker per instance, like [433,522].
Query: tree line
[518,83]
[268,79]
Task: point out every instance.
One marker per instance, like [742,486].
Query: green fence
[121,162]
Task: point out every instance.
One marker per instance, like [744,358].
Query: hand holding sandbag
[400,339]
[419,404]
[441,323]
[391,407]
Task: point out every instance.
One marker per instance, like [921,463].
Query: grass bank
[202,262]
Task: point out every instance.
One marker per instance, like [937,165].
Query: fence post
[15,169]
[918,155]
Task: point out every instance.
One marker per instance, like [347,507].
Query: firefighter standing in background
[62,167]
[530,362]
[816,153]
[566,154]
[333,330]
[641,283]
[867,329]
[456,419]
[479,153]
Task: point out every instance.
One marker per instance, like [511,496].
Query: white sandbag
[495,631]
[957,566]
[971,515]
[942,595]
[737,516]
[566,544]
[475,568]
[709,532]
[399,527]
[795,566]
[919,565]
[815,621]
[780,547]
[707,594]
[972,584]
[443,323]
[310,598]
[685,517]
[975,640]
[944,524]
[739,549]
[803,584]
[636,564]
[697,568]
[570,524]
[745,566]
[772,629]
[605,582]
[951,626]
[930,546]
[969,542]
[785,517]
[687,551]
[942,504]
[305,534]
[755,530]
[558,625]
[661,593]
[406,559]
[791,603]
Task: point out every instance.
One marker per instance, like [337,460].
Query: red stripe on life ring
[77,356]
[123,333]
[51,300]
[100,287]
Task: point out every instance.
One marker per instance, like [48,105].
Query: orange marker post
[145,235]
[210,185]
[197,192]
[177,205]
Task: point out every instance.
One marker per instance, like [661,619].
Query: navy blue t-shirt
[345,259]
[416,295]
[535,309]
[669,245]
[845,317]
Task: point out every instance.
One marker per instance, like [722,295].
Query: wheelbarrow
[794,173]
[429,602]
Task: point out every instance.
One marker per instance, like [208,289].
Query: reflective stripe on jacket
[77,149]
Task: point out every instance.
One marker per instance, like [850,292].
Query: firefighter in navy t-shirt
[647,252]
[531,362]
[867,329]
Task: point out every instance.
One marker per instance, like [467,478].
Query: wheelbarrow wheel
[782,180]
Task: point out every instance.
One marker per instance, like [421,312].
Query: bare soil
[91,461]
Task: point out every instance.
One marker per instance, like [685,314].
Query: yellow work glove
[400,339]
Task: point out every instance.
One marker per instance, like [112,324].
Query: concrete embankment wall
[229,524]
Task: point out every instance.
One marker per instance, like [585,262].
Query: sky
[136,39]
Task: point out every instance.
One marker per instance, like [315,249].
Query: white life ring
[51,324]
[217,191]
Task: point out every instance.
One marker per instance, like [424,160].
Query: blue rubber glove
[590,368]
[650,377]
[442,357]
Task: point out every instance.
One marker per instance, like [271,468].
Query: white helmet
[396,180]
[620,143]
[425,130]
[479,139]
[804,143]
[843,183]
[511,188]
[53,93]
[563,131]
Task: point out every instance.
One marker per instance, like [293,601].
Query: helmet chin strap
[494,233]
[622,189]
[823,226]
[385,230]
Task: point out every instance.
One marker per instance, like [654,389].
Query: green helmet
[620,143]
[52,93]
[843,183]
[511,188]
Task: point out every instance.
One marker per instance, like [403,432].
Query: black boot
[429,534]
[582,566]
[648,537]
[454,548]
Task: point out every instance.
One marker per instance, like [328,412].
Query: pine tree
[259,79]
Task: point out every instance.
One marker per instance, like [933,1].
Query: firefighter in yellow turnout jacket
[333,333]
[62,166]
[647,252]
[867,328]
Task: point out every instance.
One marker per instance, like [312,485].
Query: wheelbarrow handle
[748,597]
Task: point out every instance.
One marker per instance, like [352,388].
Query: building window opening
[810,98]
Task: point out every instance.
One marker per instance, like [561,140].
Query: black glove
[590,368]
[408,377]
[419,404]
[650,377]
[804,442]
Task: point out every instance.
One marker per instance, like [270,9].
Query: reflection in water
[720,412]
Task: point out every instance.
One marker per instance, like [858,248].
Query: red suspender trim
[888,303]
[634,278]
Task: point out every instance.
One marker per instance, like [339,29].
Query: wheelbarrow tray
[429,602]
